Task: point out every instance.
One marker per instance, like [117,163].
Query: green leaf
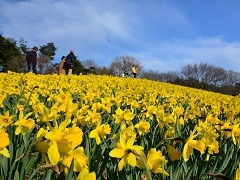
[70,174]
[31,162]
[34,173]
[49,175]
[16,175]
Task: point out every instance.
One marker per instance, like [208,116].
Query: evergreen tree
[48,50]
[78,67]
[9,51]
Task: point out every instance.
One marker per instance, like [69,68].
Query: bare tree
[189,71]
[209,75]
[45,65]
[124,63]
[163,77]
[232,78]
[204,74]
[104,71]
[89,63]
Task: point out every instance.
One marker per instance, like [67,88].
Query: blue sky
[163,35]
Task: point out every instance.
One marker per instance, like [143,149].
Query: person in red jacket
[32,60]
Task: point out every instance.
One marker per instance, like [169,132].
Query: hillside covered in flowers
[101,127]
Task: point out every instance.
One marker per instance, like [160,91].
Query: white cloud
[76,21]
[156,33]
[171,56]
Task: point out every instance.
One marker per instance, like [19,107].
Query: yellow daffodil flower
[192,144]
[173,154]
[23,123]
[3,143]
[151,110]
[106,105]
[93,117]
[85,175]
[6,119]
[123,115]
[43,113]
[79,158]
[62,140]
[154,161]
[127,152]
[142,127]
[100,132]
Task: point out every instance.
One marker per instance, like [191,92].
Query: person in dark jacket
[32,60]
[68,65]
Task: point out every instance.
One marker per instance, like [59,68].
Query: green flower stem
[149,177]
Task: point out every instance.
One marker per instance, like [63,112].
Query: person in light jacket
[61,69]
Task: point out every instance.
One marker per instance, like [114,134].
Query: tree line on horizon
[201,76]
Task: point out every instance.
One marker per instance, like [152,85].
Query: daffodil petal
[122,163]
[5,152]
[131,159]
[53,153]
[117,153]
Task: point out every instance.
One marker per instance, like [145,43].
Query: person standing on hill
[69,62]
[134,71]
[32,60]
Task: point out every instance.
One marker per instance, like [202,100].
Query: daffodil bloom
[6,119]
[178,110]
[127,132]
[3,143]
[20,107]
[93,117]
[160,114]
[80,116]
[89,96]
[127,152]
[43,113]
[150,111]
[100,132]
[96,106]
[118,100]
[168,119]
[23,123]
[226,129]
[209,137]
[63,97]
[118,116]
[142,127]
[125,115]
[106,105]
[62,140]
[212,146]
[173,154]
[212,119]
[85,175]
[71,107]
[135,104]
[235,132]
[79,158]
[154,161]
[192,144]
[128,115]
